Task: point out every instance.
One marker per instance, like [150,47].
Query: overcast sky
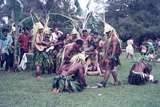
[93,6]
[83,3]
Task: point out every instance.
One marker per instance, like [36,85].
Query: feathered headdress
[78,57]
[46,28]
[107,27]
[36,25]
[75,32]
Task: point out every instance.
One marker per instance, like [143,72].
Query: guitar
[40,47]
[51,46]
[47,46]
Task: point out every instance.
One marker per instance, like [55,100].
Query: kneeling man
[141,73]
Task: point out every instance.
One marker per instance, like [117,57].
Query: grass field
[22,90]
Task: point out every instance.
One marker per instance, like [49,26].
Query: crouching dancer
[141,73]
[71,76]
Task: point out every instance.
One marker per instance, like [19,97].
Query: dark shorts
[136,79]
[111,62]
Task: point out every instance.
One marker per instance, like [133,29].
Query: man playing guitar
[42,46]
[39,50]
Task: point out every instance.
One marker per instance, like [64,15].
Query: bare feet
[38,78]
[58,91]
[102,84]
[55,91]
[117,83]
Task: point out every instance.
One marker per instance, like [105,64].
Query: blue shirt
[5,43]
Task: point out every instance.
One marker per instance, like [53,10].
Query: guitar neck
[58,43]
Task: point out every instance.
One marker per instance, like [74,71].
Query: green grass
[22,90]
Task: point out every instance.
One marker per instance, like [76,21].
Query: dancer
[140,73]
[111,58]
[71,76]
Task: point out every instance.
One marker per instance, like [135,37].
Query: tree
[134,18]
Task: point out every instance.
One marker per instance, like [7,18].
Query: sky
[93,5]
[83,3]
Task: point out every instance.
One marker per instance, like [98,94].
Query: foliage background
[131,18]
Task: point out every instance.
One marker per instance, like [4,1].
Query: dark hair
[108,32]
[86,58]
[5,30]
[25,29]
[94,46]
[83,31]
[61,38]
[95,33]
[54,27]
[79,42]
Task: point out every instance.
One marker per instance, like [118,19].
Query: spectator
[23,40]
[129,48]
[55,34]
[6,50]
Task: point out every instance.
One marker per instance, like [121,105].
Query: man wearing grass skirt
[111,56]
[140,73]
[71,76]
[41,58]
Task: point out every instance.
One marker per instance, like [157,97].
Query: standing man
[12,52]
[6,48]
[40,56]
[24,40]
[85,36]
[111,58]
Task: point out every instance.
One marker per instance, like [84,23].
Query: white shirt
[53,37]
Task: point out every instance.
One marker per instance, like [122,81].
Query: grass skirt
[66,83]
[42,59]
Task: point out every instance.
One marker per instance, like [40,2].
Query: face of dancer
[109,34]
[40,31]
[88,62]
[74,36]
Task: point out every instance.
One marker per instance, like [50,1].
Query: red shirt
[24,41]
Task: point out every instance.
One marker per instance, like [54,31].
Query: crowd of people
[72,56]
